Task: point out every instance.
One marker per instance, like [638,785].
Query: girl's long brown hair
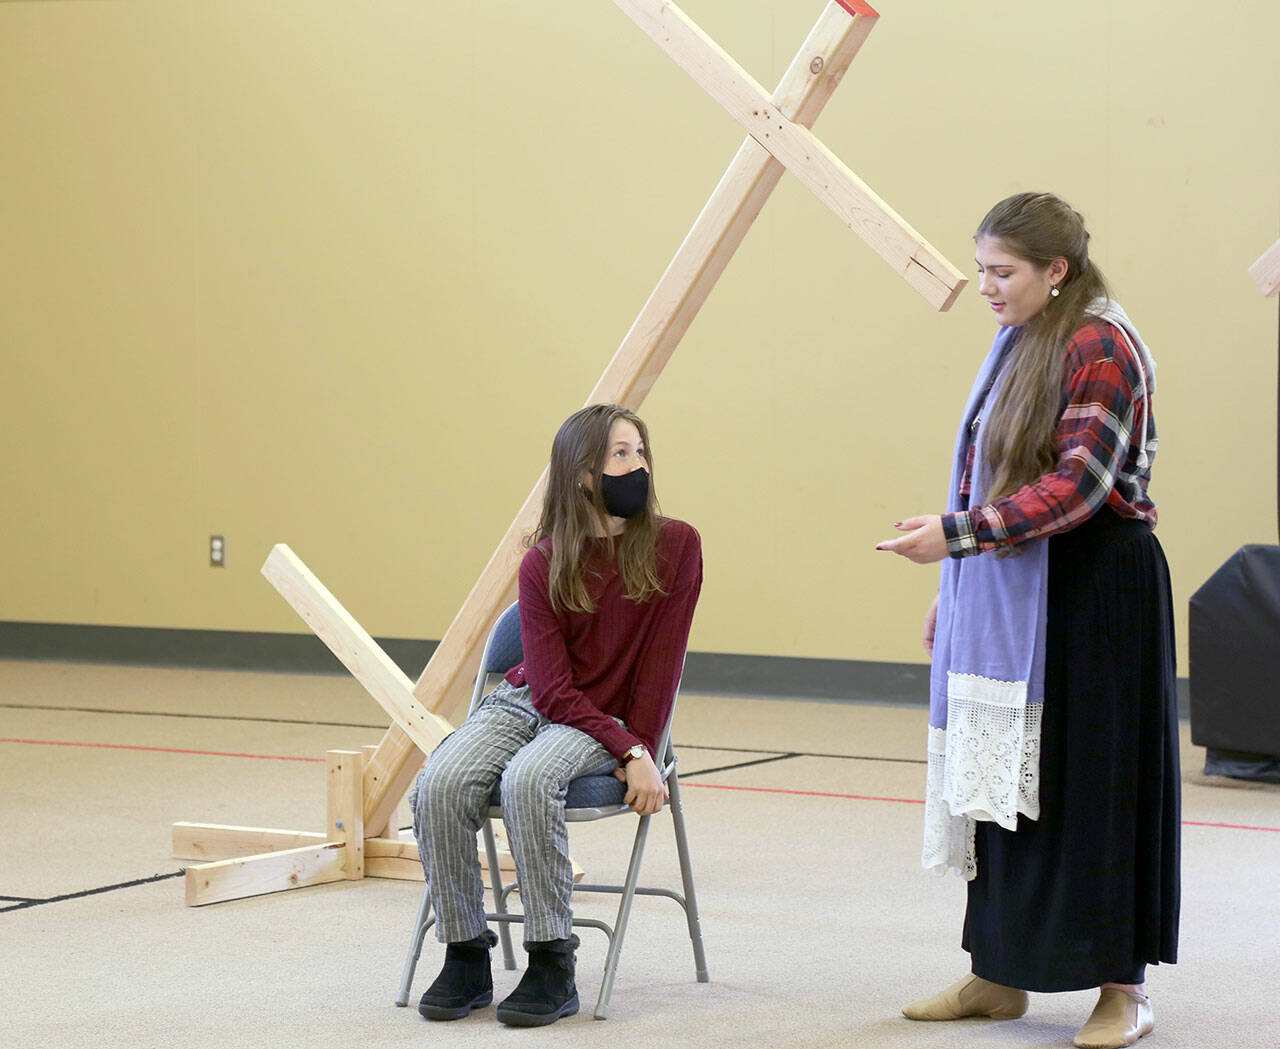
[571,517]
[1022,424]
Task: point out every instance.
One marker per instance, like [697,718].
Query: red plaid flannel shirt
[1100,433]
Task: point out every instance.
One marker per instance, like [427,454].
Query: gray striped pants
[535,758]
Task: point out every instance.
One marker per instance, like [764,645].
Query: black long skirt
[1089,893]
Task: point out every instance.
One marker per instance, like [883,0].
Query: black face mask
[626,495]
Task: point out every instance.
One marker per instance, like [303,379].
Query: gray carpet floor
[805,821]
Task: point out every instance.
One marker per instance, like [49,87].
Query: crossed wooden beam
[366,787]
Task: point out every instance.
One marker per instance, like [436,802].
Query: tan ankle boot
[972,996]
[1120,1018]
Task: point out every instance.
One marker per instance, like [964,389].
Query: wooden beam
[805,156]
[353,645]
[400,817]
[688,280]
[274,872]
[383,857]
[397,860]
[214,841]
[1266,271]
[344,807]
[388,776]
[806,87]
[416,730]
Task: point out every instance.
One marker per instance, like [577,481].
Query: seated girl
[607,592]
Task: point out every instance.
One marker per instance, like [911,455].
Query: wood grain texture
[257,875]
[215,841]
[1266,271]
[344,807]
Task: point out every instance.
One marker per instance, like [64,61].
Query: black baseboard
[795,677]
[766,677]
[193,649]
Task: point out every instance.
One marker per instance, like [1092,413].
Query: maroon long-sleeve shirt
[621,661]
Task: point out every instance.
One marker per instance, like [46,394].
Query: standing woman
[1053,782]
[607,593]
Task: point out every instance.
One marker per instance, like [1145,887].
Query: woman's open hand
[924,542]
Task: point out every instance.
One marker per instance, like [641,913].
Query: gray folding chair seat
[585,792]
[588,798]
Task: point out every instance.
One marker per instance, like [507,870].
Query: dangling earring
[1054,291]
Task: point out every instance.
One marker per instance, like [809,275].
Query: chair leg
[686,875]
[624,913]
[425,921]
[499,895]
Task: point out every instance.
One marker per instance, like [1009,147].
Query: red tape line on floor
[705,786]
[1227,826]
[918,801]
[162,750]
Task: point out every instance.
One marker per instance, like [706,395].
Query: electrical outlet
[217,551]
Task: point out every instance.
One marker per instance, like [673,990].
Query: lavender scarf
[987,679]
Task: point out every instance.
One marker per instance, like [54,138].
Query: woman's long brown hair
[1022,424]
[571,517]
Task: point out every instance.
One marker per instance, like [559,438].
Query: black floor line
[740,765]
[91,892]
[802,754]
[798,753]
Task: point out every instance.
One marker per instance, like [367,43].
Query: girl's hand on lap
[645,790]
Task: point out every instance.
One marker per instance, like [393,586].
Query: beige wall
[330,272]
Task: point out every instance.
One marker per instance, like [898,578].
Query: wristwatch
[634,752]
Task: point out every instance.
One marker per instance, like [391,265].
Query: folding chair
[589,798]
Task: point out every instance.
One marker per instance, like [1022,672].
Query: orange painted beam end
[858,7]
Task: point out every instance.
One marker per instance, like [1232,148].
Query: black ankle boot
[546,992]
[465,982]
